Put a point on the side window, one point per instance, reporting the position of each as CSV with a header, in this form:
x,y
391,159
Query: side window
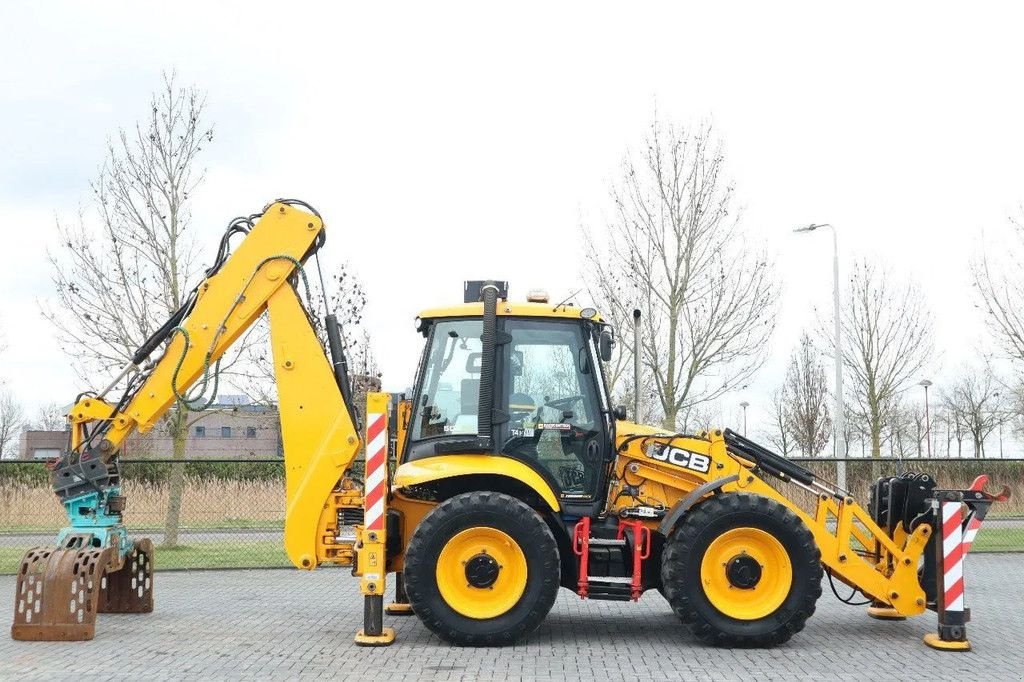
x,y
450,395
552,405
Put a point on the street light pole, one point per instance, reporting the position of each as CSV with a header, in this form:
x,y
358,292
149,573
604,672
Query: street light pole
x,y
744,405
840,409
1000,425
927,420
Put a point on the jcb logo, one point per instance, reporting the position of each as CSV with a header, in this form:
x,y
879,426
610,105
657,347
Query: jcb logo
x,y
679,457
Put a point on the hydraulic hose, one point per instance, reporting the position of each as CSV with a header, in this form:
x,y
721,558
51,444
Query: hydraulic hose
x,y
340,364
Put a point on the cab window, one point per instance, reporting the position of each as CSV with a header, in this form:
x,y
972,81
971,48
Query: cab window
x,y
448,402
549,392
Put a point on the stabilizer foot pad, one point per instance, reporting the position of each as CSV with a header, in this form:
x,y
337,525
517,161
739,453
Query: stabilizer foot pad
x,y
932,639
884,613
386,637
396,609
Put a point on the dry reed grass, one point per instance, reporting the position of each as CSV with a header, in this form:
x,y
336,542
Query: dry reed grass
x,y
218,503
208,503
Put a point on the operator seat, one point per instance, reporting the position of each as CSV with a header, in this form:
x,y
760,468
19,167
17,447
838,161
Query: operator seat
x,y
521,406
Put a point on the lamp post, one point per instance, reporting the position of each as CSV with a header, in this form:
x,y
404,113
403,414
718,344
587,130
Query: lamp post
x,y
744,405
927,420
840,416
999,423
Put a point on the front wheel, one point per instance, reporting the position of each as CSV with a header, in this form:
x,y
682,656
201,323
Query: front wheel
x,y
482,569
742,570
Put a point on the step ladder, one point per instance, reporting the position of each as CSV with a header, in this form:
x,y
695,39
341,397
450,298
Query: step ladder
x,y
614,588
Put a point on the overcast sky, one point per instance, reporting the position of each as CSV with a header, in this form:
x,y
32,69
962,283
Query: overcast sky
x,y
460,142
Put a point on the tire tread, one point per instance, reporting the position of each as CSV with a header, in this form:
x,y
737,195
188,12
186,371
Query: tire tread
x,y
681,545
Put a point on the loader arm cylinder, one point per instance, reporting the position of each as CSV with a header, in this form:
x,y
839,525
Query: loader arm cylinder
x,y
766,459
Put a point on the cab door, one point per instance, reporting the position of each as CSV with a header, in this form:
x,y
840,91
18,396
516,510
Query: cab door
x,y
557,422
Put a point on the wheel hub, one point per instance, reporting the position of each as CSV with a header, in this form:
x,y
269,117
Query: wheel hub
x,y
482,571
743,572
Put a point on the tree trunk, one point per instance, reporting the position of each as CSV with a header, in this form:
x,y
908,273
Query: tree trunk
x,y
876,434
669,394
669,422
176,480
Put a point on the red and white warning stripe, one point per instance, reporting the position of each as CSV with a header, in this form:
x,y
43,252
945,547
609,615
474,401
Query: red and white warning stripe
x,y
952,556
972,530
376,470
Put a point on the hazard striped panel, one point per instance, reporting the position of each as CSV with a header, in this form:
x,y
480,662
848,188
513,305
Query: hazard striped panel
x,y
952,556
972,531
376,470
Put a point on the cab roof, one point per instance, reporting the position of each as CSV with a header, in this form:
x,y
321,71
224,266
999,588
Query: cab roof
x,y
509,308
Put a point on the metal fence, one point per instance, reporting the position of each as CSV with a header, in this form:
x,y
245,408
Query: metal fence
x,y
232,511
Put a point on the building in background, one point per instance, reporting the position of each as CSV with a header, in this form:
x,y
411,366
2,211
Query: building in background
x,y
34,444
232,428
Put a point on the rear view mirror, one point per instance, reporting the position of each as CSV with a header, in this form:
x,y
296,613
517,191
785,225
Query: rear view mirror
x,y
606,341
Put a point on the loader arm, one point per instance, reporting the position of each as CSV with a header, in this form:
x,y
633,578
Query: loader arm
x,y
320,438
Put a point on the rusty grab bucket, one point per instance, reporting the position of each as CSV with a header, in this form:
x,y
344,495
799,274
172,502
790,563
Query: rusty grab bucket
x,y
60,590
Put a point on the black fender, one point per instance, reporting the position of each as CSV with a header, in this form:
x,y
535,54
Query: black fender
x,y
683,505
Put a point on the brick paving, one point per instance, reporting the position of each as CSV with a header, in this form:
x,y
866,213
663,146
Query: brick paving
x,y
286,624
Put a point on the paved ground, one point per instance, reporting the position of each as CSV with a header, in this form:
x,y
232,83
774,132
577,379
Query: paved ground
x,y
287,624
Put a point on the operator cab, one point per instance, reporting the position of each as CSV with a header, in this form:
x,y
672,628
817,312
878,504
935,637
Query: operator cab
x,y
550,400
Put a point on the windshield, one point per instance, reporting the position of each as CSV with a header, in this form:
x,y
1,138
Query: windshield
x,y
451,381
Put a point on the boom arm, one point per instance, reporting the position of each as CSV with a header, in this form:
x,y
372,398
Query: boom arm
x,y
319,437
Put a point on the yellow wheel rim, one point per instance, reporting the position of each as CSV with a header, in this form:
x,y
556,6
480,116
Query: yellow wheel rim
x,y
732,582
481,572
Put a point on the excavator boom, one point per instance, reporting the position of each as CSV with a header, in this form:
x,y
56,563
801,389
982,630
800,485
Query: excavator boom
x,y
318,427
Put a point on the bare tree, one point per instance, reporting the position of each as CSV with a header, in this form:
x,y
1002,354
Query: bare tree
x,y
50,417
887,329
614,295
806,399
903,430
674,249
941,434
977,405
346,298
778,434
12,419
118,282
1000,286
956,425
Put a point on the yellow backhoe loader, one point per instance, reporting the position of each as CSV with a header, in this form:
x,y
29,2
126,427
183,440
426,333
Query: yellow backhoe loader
x,y
515,476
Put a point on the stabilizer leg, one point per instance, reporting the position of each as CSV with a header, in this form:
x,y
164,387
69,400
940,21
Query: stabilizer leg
x,y
881,611
371,558
401,605
373,632
953,617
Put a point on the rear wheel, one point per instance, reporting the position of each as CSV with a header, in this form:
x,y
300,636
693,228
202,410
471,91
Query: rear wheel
x,y
742,570
482,569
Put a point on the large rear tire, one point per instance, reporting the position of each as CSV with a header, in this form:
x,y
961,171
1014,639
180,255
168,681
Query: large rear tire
x,y
482,569
742,570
